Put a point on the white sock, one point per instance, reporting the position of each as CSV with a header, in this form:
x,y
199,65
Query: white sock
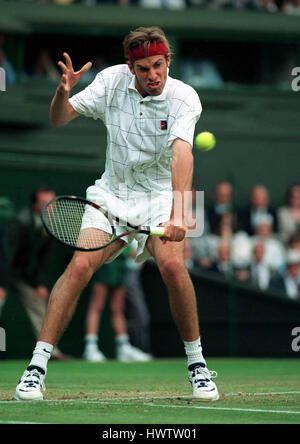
x,y
41,355
193,352
91,341
122,339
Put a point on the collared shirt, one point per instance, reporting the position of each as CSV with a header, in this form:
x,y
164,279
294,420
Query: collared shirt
x,y
140,130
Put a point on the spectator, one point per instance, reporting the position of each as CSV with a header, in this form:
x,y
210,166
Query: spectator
x,y
45,67
274,248
111,278
26,249
259,270
200,73
289,214
6,213
259,206
294,241
223,264
289,282
10,74
170,4
291,7
222,203
98,65
226,229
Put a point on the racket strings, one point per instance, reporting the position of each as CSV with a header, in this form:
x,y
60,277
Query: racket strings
x,y
64,219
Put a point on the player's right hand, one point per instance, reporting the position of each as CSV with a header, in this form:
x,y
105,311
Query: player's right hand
x,y
70,77
173,233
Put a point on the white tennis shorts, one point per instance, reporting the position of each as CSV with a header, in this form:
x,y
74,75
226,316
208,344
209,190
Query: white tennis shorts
x,y
138,209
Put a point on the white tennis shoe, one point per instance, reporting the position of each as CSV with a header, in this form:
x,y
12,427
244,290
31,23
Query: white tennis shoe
x,y
128,353
31,385
202,383
93,355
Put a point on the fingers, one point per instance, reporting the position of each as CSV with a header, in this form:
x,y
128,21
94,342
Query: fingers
x,y
85,68
173,233
68,61
63,67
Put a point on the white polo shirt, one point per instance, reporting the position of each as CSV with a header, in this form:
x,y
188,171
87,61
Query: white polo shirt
x,y
140,130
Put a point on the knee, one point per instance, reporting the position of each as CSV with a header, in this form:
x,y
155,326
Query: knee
x,y
80,268
172,269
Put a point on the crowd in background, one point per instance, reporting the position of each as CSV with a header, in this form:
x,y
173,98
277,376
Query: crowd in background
x,y
283,6
26,255
257,244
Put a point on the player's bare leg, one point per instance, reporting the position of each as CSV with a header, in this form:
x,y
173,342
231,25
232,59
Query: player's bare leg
x,y
170,261
62,303
66,291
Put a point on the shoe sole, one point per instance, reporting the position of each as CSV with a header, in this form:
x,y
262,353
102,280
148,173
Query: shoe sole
x,y
19,398
200,398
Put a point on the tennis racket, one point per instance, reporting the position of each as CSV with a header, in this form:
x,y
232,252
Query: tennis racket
x,y
62,219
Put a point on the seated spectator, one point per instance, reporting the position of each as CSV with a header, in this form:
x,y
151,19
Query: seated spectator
x,y
288,283
170,4
98,65
222,263
26,251
260,271
200,73
274,248
45,67
7,212
226,230
291,7
10,74
259,206
289,214
222,203
294,241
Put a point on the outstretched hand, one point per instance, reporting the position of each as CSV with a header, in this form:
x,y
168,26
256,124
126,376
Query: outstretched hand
x,y
69,76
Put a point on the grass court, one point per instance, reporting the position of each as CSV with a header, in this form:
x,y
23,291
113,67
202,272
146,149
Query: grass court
x,y
252,391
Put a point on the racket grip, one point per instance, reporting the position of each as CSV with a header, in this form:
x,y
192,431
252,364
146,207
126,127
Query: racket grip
x,y
157,231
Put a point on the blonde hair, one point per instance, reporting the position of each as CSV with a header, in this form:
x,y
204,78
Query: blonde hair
x,y
143,36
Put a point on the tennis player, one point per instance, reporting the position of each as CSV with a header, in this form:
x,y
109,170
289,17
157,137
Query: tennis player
x,y
150,120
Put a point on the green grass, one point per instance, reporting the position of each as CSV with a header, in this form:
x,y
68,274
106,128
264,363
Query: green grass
x,y
253,391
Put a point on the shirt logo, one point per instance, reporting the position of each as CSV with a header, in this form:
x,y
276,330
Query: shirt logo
x,y
163,124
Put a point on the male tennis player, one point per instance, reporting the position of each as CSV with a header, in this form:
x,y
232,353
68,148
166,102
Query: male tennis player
x,y
150,120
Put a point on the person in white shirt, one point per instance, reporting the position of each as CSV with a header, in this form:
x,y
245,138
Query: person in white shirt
x,y
287,283
150,120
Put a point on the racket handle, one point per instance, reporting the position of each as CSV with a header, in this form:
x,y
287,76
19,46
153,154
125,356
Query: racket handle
x,y
157,231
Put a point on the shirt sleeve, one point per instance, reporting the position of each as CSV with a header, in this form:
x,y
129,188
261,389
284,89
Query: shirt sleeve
x,y
187,115
90,102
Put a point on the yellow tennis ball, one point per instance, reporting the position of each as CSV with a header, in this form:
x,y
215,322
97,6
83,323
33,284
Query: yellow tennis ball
x,y
205,141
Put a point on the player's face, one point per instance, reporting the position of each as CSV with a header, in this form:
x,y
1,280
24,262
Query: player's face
x,y
150,74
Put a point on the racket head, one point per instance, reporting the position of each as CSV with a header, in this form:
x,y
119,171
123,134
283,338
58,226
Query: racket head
x,y
62,218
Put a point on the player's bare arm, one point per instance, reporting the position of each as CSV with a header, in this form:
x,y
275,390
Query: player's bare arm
x,y
61,110
182,166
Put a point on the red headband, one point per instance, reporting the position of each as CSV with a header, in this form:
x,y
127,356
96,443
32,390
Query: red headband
x,y
153,48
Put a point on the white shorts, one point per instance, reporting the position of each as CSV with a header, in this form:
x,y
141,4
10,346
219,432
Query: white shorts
x,y
137,210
